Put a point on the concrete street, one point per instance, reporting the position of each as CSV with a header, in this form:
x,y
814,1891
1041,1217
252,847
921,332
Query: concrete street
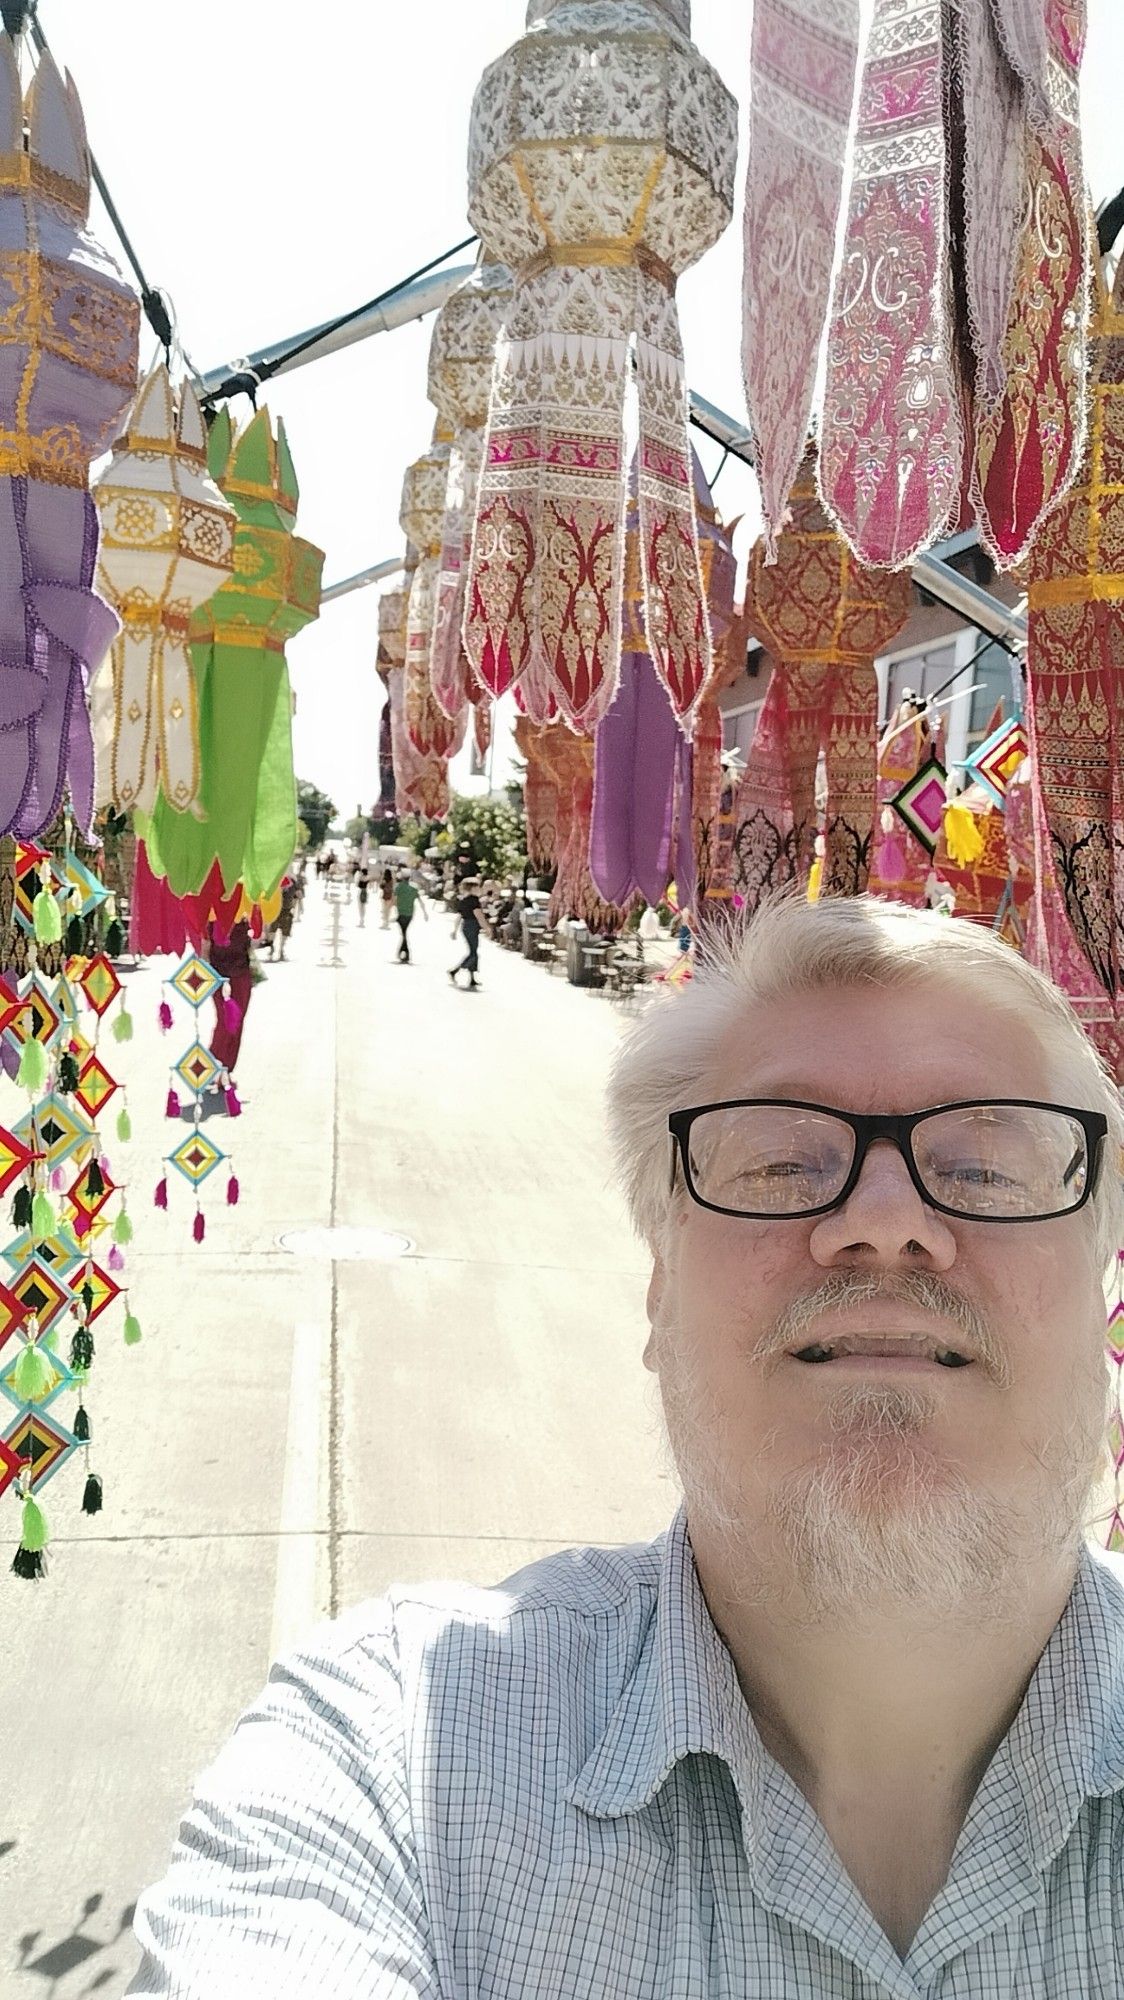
x,y
302,1426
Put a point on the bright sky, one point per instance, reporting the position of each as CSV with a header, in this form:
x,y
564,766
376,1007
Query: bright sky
x,y
276,164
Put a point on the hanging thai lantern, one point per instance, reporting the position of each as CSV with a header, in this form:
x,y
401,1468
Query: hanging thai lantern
x,y
461,355
1075,663
167,544
420,779
422,516
244,834
824,618
601,161
640,838
69,326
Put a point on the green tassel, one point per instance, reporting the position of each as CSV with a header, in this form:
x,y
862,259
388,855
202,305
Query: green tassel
x,y
91,1498
46,918
82,1424
132,1330
123,1027
44,1216
34,1536
32,1072
114,940
68,1074
32,1377
124,1127
21,1207
123,1228
75,937
81,1348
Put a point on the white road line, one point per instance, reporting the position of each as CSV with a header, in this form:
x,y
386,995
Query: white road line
x,y
301,1590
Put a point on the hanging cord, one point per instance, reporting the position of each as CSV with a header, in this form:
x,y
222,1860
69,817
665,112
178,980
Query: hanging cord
x,y
247,381
24,13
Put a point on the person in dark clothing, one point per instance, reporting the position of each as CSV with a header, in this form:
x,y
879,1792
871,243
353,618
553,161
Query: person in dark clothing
x,y
470,910
363,883
406,898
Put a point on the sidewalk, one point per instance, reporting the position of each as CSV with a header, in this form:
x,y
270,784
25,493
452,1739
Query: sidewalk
x,y
296,1431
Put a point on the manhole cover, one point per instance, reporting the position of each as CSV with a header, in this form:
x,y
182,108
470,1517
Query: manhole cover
x,y
339,1246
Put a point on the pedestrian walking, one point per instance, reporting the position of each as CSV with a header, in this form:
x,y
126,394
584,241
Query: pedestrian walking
x,y
283,928
406,899
386,892
363,884
470,911
229,954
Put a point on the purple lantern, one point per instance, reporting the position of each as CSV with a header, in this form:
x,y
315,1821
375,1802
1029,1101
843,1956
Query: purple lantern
x,y
69,326
641,833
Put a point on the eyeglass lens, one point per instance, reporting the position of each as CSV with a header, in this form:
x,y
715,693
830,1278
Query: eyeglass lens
x,y
980,1160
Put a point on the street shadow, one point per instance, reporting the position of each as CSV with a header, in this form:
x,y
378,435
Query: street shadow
x,y
53,1962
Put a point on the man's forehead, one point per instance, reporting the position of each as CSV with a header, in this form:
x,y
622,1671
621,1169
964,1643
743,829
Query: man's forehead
x,y
858,1046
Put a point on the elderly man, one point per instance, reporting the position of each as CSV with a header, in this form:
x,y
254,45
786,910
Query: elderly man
x,y
854,1726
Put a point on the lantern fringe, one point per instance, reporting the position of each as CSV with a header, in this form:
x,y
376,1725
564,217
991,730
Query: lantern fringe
x,y
92,1496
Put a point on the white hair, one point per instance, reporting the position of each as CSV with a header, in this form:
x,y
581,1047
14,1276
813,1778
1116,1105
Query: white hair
x,y
792,946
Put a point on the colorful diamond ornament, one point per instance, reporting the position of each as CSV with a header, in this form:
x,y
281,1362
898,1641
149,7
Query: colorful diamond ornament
x,y
197,1068
195,1158
921,803
994,762
195,981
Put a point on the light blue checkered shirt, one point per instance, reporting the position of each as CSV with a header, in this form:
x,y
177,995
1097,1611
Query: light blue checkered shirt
x,y
553,1790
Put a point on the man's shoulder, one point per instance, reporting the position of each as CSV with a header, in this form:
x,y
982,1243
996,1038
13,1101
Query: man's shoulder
x,y
441,1633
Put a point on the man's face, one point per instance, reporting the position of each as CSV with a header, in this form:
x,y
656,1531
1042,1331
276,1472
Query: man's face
x,y
896,1449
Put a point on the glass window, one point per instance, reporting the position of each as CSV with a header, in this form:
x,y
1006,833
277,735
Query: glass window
x,y
738,725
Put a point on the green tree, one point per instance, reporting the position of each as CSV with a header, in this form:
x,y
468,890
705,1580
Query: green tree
x,y
489,833
317,811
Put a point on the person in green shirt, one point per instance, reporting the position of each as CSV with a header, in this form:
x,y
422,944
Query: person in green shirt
x,y
406,899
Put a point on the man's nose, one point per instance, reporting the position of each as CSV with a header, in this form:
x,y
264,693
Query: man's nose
x,y
884,1219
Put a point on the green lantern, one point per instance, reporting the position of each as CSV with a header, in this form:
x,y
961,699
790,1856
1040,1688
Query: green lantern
x,y
246,816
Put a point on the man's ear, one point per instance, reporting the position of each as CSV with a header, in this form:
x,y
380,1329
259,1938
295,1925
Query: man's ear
x,y
657,1285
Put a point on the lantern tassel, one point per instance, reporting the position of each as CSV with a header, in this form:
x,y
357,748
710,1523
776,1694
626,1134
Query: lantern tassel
x,y
34,1536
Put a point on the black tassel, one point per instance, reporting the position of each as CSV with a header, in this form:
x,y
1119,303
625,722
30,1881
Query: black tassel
x,y
91,1498
82,1424
29,1563
95,1179
68,1074
87,1297
114,939
82,1348
21,1207
75,937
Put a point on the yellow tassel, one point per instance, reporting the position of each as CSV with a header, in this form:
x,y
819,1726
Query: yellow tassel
x,y
962,837
815,878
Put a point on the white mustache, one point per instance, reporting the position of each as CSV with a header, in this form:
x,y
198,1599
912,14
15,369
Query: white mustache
x,y
925,1291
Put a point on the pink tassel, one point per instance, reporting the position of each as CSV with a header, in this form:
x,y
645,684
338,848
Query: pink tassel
x,y
233,1104
58,1179
115,1260
232,1015
232,1192
199,1227
160,1198
172,1107
107,1170
165,1017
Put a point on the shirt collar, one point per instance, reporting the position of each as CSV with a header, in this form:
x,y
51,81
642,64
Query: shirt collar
x,y
683,1697
1066,1744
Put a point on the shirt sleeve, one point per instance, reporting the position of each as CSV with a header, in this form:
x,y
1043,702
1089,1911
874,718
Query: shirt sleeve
x,y
295,1868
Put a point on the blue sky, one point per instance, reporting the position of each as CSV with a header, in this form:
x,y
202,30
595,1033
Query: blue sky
x,y
276,164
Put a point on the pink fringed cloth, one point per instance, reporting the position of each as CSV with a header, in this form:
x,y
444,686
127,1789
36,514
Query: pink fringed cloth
x,y
1075,716
802,86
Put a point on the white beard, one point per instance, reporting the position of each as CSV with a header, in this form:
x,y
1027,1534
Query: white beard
x,y
878,1523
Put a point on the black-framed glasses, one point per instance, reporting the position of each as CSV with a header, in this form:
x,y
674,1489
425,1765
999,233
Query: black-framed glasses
x,y
994,1159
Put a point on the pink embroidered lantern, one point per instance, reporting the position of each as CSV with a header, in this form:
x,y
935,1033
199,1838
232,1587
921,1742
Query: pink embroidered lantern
x,y
601,161
461,355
